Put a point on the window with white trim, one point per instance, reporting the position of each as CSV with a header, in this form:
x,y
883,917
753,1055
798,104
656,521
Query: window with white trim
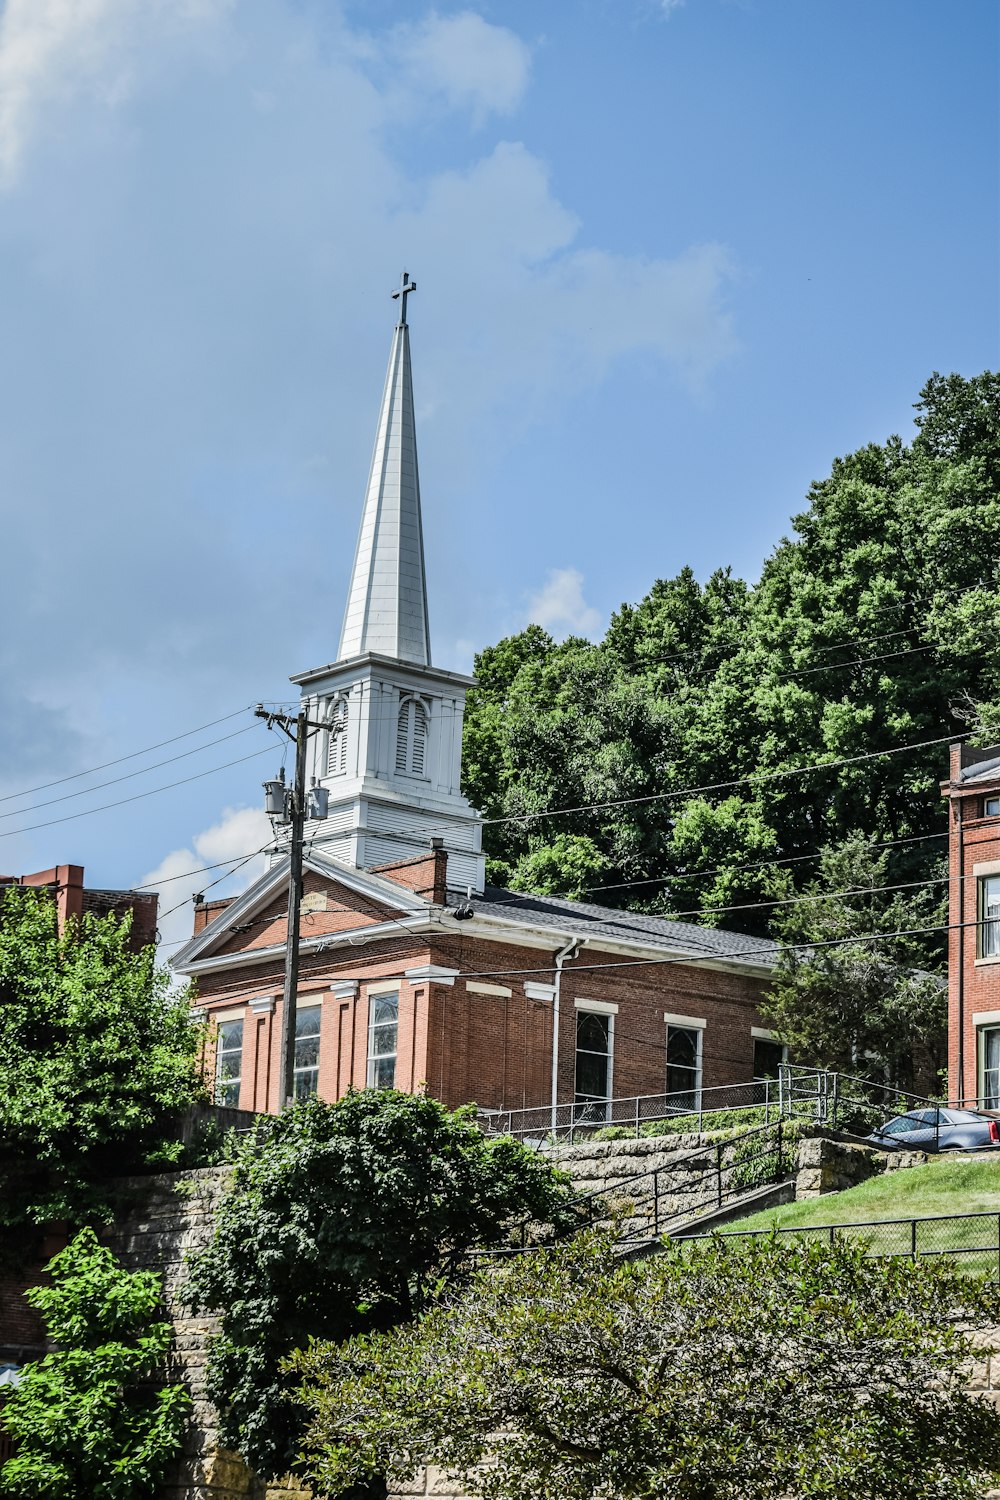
x,y
684,1065
595,1035
383,1039
336,754
229,1063
988,930
989,1066
991,807
306,1069
411,737
768,1055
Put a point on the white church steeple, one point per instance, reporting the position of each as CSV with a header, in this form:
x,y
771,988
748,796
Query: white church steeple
x,y
391,752
387,600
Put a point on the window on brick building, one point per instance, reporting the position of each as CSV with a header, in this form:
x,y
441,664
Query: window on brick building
x,y
383,1033
991,807
229,1063
989,1067
595,1031
411,737
988,930
306,1069
768,1055
336,755
684,1065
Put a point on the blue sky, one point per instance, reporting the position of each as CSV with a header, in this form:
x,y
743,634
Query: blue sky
x,y
672,258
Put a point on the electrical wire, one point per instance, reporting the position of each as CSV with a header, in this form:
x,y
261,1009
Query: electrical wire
x,y
139,796
133,755
129,775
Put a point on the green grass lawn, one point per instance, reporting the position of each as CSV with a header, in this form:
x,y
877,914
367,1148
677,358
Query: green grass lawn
x,y
950,1185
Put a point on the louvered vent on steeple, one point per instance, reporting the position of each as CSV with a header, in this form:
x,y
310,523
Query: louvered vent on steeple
x,y
411,737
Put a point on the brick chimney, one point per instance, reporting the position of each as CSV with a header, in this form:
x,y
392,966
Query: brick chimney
x,y
426,875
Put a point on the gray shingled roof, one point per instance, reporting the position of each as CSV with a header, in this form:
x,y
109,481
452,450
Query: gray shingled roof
x,y
591,921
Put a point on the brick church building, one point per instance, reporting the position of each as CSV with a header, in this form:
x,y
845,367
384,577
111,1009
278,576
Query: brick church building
x,y
413,970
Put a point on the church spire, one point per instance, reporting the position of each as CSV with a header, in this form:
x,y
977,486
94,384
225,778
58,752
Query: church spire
x,y
387,602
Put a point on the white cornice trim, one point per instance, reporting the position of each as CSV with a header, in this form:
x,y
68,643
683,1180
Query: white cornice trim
x,y
432,974
309,945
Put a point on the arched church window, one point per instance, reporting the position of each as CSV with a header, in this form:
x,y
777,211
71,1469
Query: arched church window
x,y
411,737
336,755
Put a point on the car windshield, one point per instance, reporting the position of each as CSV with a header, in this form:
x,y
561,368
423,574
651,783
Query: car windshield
x,y
901,1125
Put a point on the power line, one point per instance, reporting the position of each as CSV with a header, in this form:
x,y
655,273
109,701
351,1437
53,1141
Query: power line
x,y
129,775
139,796
61,780
756,777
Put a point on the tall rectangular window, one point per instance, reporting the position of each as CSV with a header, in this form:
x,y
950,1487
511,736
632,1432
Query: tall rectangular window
x,y
383,1036
988,945
229,1063
768,1055
594,1039
306,1069
683,1065
989,1065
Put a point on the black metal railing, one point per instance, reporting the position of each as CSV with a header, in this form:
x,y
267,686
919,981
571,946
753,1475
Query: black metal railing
x,y
974,1238
647,1205
840,1101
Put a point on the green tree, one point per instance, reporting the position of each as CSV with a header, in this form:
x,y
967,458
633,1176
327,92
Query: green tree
x,y
874,625
91,1422
343,1217
742,1370
97,1059
844,998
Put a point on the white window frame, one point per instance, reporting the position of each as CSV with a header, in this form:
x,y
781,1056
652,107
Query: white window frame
x,y
220,1053
338,721
412,705
697,1024
299,1068
761,1034
991,807
595,1008
988,916
375,1058
989,1096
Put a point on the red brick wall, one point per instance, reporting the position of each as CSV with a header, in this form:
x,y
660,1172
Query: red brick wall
x,y
973,983
494,1049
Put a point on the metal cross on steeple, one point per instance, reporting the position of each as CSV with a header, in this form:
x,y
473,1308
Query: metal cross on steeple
x,y
404,289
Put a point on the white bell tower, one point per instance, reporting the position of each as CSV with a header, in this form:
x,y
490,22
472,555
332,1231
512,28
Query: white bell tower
x,y
391,754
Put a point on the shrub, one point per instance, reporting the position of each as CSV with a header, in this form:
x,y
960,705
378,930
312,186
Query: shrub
x,y
90,1422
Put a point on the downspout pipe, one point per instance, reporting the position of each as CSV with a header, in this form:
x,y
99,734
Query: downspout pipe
x,y
570,950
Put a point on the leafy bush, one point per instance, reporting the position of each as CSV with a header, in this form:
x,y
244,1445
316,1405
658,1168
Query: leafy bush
x,y
344,1217
97,1060
89,1422
753,1369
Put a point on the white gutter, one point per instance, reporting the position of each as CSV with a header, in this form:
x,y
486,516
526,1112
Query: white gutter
x,y
571,949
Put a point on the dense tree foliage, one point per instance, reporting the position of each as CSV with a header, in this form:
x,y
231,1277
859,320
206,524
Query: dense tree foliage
x,y
344,1217
875,626
850,990
93,1421
97,1060
742,1370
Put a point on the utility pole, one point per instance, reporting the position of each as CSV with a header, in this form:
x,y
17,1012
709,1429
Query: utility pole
x,y
291,808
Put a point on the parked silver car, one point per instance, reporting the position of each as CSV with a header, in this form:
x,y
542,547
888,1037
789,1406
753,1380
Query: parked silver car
x,y
940,1129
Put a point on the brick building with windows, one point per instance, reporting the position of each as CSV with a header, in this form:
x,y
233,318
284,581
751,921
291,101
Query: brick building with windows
x,y
413,970
973,792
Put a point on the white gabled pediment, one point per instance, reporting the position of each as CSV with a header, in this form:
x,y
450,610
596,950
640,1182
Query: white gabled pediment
x,y
257,897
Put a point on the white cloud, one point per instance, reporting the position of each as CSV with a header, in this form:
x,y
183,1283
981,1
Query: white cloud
x,y
50,50
239,831
669,6
471,62
559,605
